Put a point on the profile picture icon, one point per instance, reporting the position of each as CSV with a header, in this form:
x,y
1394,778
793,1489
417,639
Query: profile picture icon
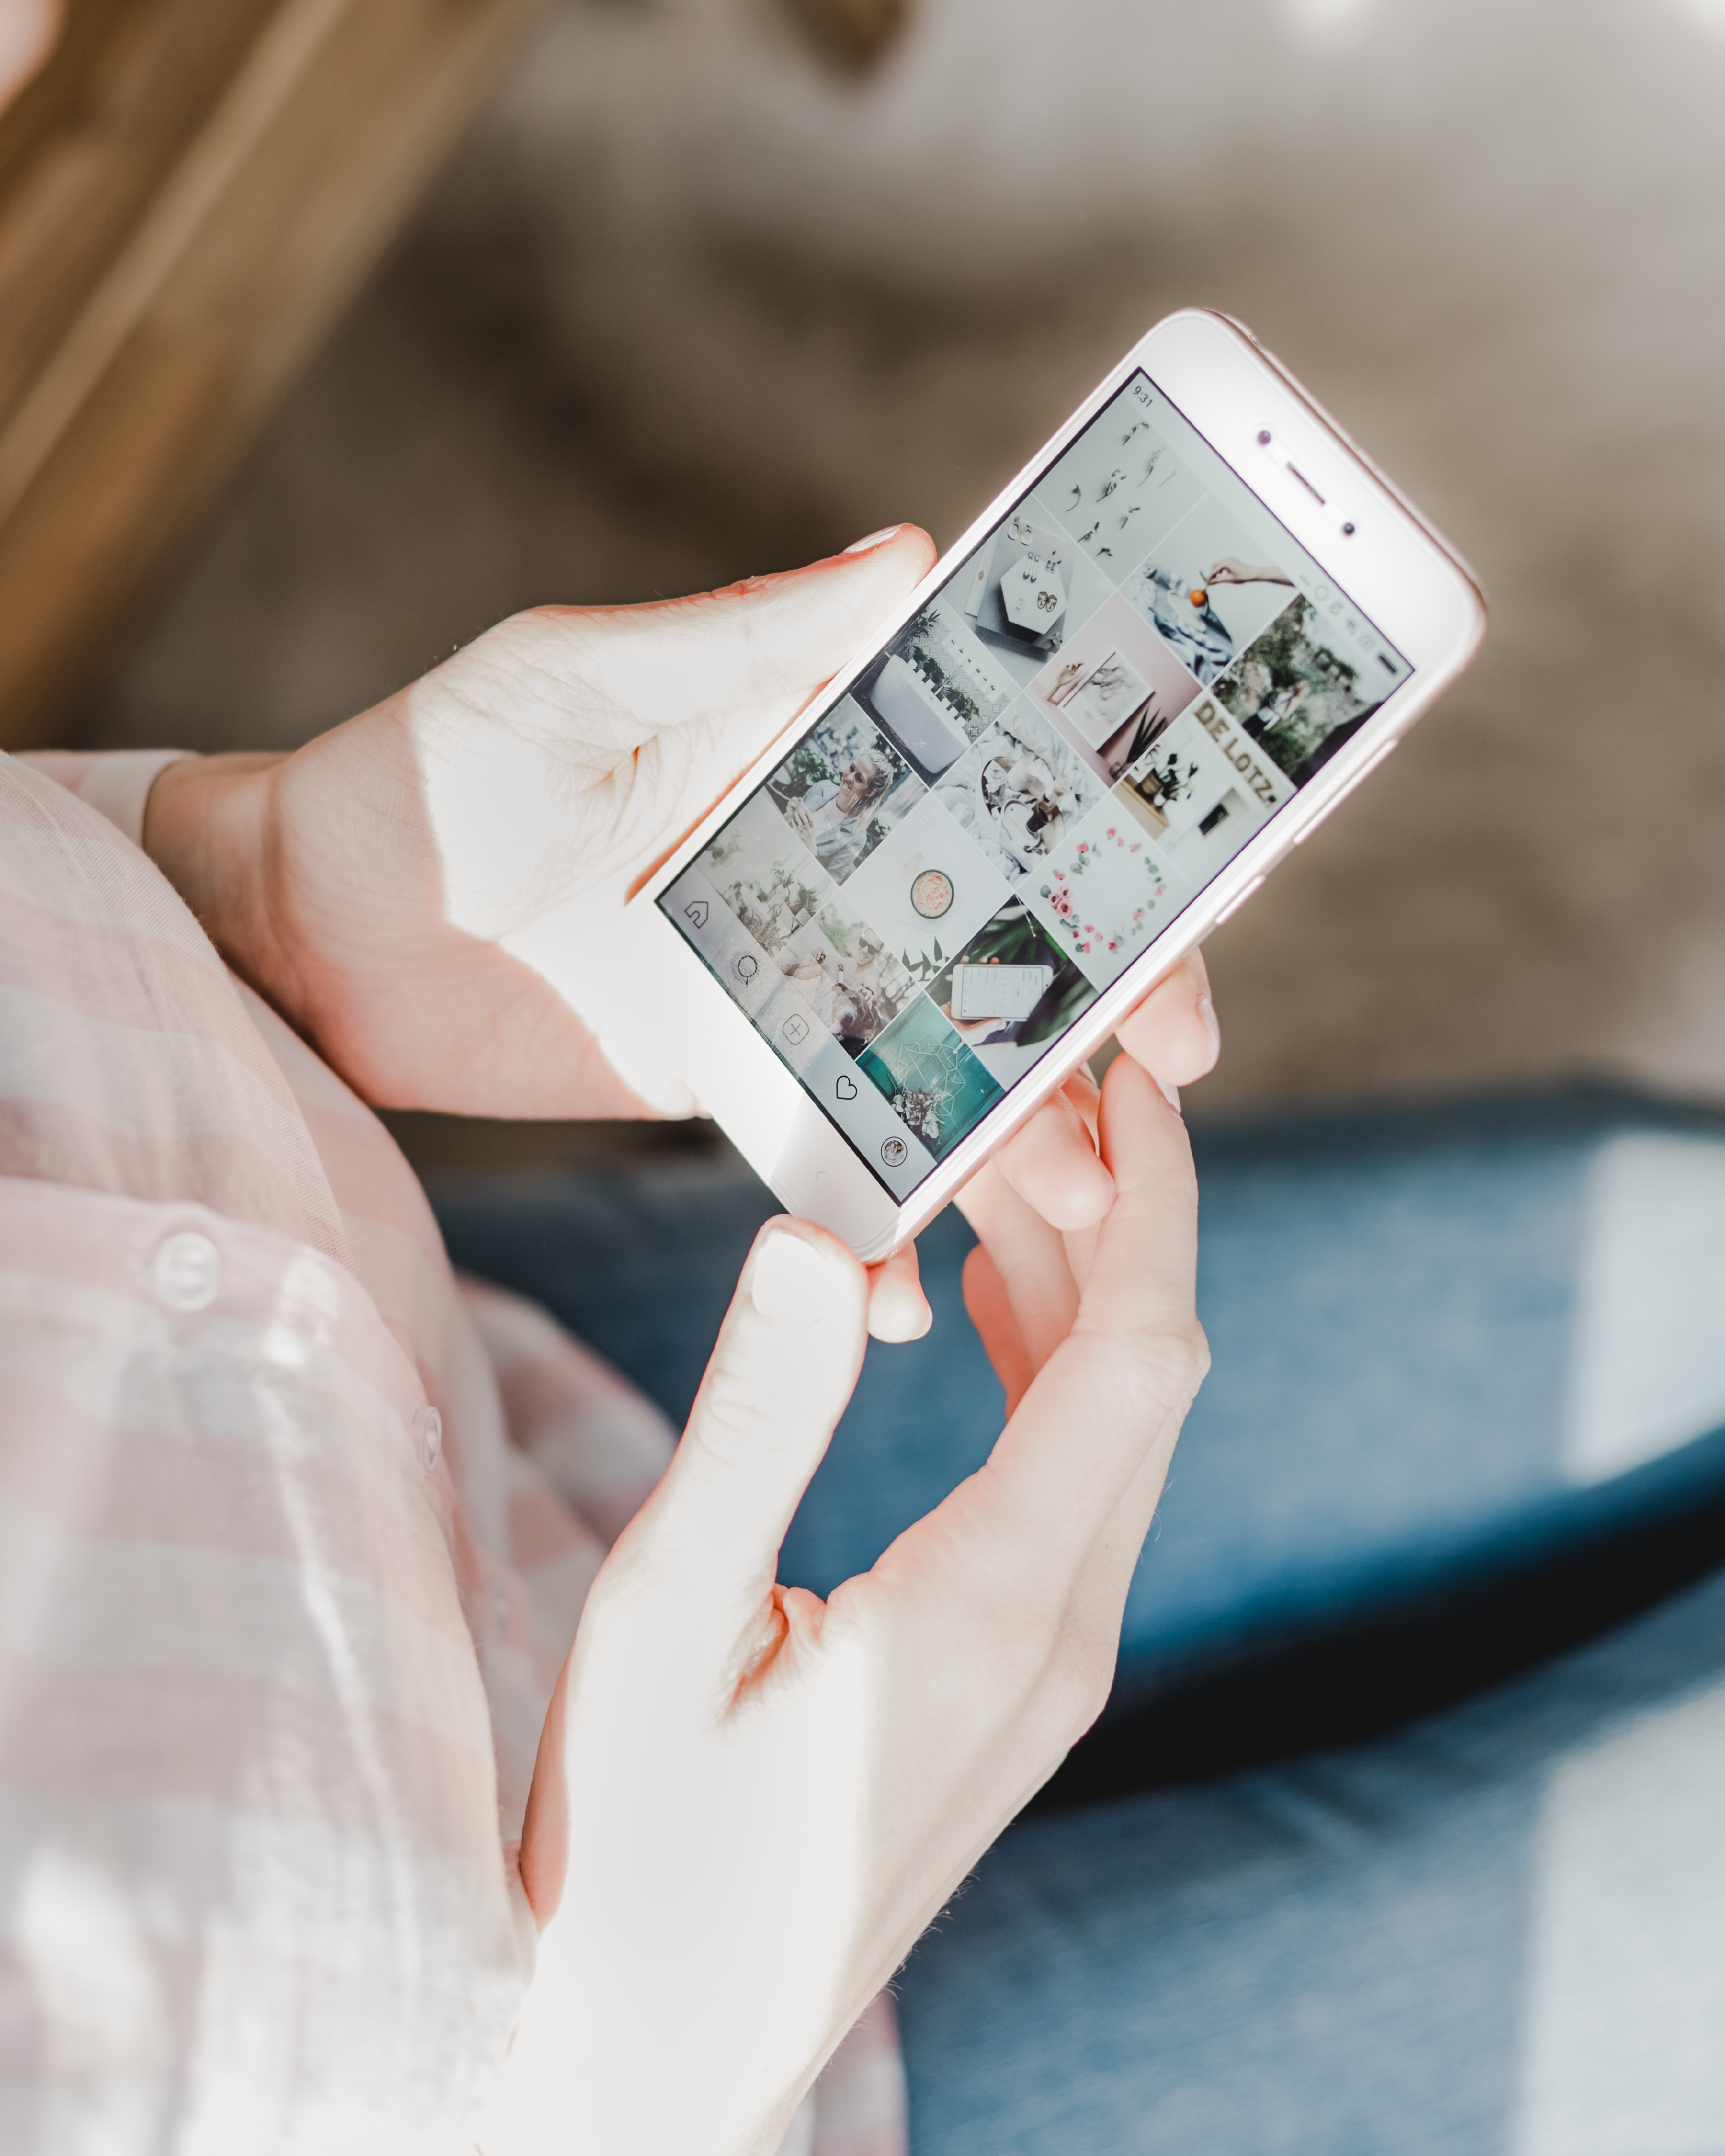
x,y
893,1152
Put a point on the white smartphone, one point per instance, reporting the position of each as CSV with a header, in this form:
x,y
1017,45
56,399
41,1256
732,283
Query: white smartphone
x,y
1008,993
1188,628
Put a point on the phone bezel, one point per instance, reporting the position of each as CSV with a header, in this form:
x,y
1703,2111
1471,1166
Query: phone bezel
x,y
1394,565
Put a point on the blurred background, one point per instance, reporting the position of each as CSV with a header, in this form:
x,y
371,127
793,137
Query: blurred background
x,y
712,286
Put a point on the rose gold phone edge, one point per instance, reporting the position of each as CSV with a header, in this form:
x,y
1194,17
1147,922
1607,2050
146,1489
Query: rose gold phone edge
x,y
764,1109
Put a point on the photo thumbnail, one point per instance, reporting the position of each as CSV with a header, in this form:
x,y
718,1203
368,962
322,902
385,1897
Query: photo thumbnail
x,y
1161,786
1114,688
1036,989
1208,590
1194,798
1120,488
931,1081
844,971
1024,590
842,788
926,890
1103,896
935,690
1296,696
1020,791
764,874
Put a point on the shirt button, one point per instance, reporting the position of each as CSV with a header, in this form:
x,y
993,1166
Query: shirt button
x,y
429,1429
187,1271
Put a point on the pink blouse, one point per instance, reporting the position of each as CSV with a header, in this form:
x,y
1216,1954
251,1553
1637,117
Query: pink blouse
x,y
294,1531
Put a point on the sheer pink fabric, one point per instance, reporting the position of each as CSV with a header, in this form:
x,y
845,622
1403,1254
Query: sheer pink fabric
x,y
294,1531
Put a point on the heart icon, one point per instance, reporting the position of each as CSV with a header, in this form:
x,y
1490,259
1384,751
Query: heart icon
x,y
846,1089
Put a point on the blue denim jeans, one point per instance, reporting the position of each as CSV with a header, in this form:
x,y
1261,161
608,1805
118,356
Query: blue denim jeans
x,y
1500,1932
1466,1409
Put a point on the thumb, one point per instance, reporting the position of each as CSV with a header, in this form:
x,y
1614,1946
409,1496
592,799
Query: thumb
x,y
781,1375
757,650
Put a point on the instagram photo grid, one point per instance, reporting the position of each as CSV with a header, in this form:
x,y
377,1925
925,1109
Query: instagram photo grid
x,y
1060,749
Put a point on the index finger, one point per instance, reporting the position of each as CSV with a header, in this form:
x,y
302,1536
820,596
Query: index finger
x,y
1099,1422
1174,1031
898,1309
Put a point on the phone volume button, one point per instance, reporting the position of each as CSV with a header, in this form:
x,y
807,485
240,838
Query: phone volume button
x,y
1234,904
1359,778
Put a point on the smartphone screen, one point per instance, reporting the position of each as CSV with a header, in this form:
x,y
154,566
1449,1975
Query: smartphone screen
x,y
1122,684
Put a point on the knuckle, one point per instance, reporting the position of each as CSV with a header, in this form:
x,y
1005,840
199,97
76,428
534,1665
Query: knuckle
x,y
1087,1697
1053,1657
757,1406
738,1418
1191,1356
1163,1365
1081,1679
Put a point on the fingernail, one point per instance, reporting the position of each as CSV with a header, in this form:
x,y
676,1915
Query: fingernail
x,y
873,539
1212,1025
899,1318
1171,1094
794,1282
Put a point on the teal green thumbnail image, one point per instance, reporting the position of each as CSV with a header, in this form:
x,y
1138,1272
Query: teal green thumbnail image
x,y
934,1084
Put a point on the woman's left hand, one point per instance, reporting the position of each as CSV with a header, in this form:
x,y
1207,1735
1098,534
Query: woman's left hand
x,y
430,894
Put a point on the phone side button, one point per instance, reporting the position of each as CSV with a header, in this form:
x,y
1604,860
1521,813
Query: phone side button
x,y
1234,904
1358,779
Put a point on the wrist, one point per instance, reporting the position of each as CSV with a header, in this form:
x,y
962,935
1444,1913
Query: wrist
x,y
208,826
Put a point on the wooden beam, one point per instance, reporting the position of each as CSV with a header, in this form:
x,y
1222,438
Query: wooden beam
x,y
189,194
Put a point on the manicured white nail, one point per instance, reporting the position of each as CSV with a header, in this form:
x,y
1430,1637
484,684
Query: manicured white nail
x,y
1171,1094
794,1282
1207,1012
873,539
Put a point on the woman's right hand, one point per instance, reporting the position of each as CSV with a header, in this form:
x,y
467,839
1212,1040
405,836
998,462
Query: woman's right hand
x,y
749,1803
